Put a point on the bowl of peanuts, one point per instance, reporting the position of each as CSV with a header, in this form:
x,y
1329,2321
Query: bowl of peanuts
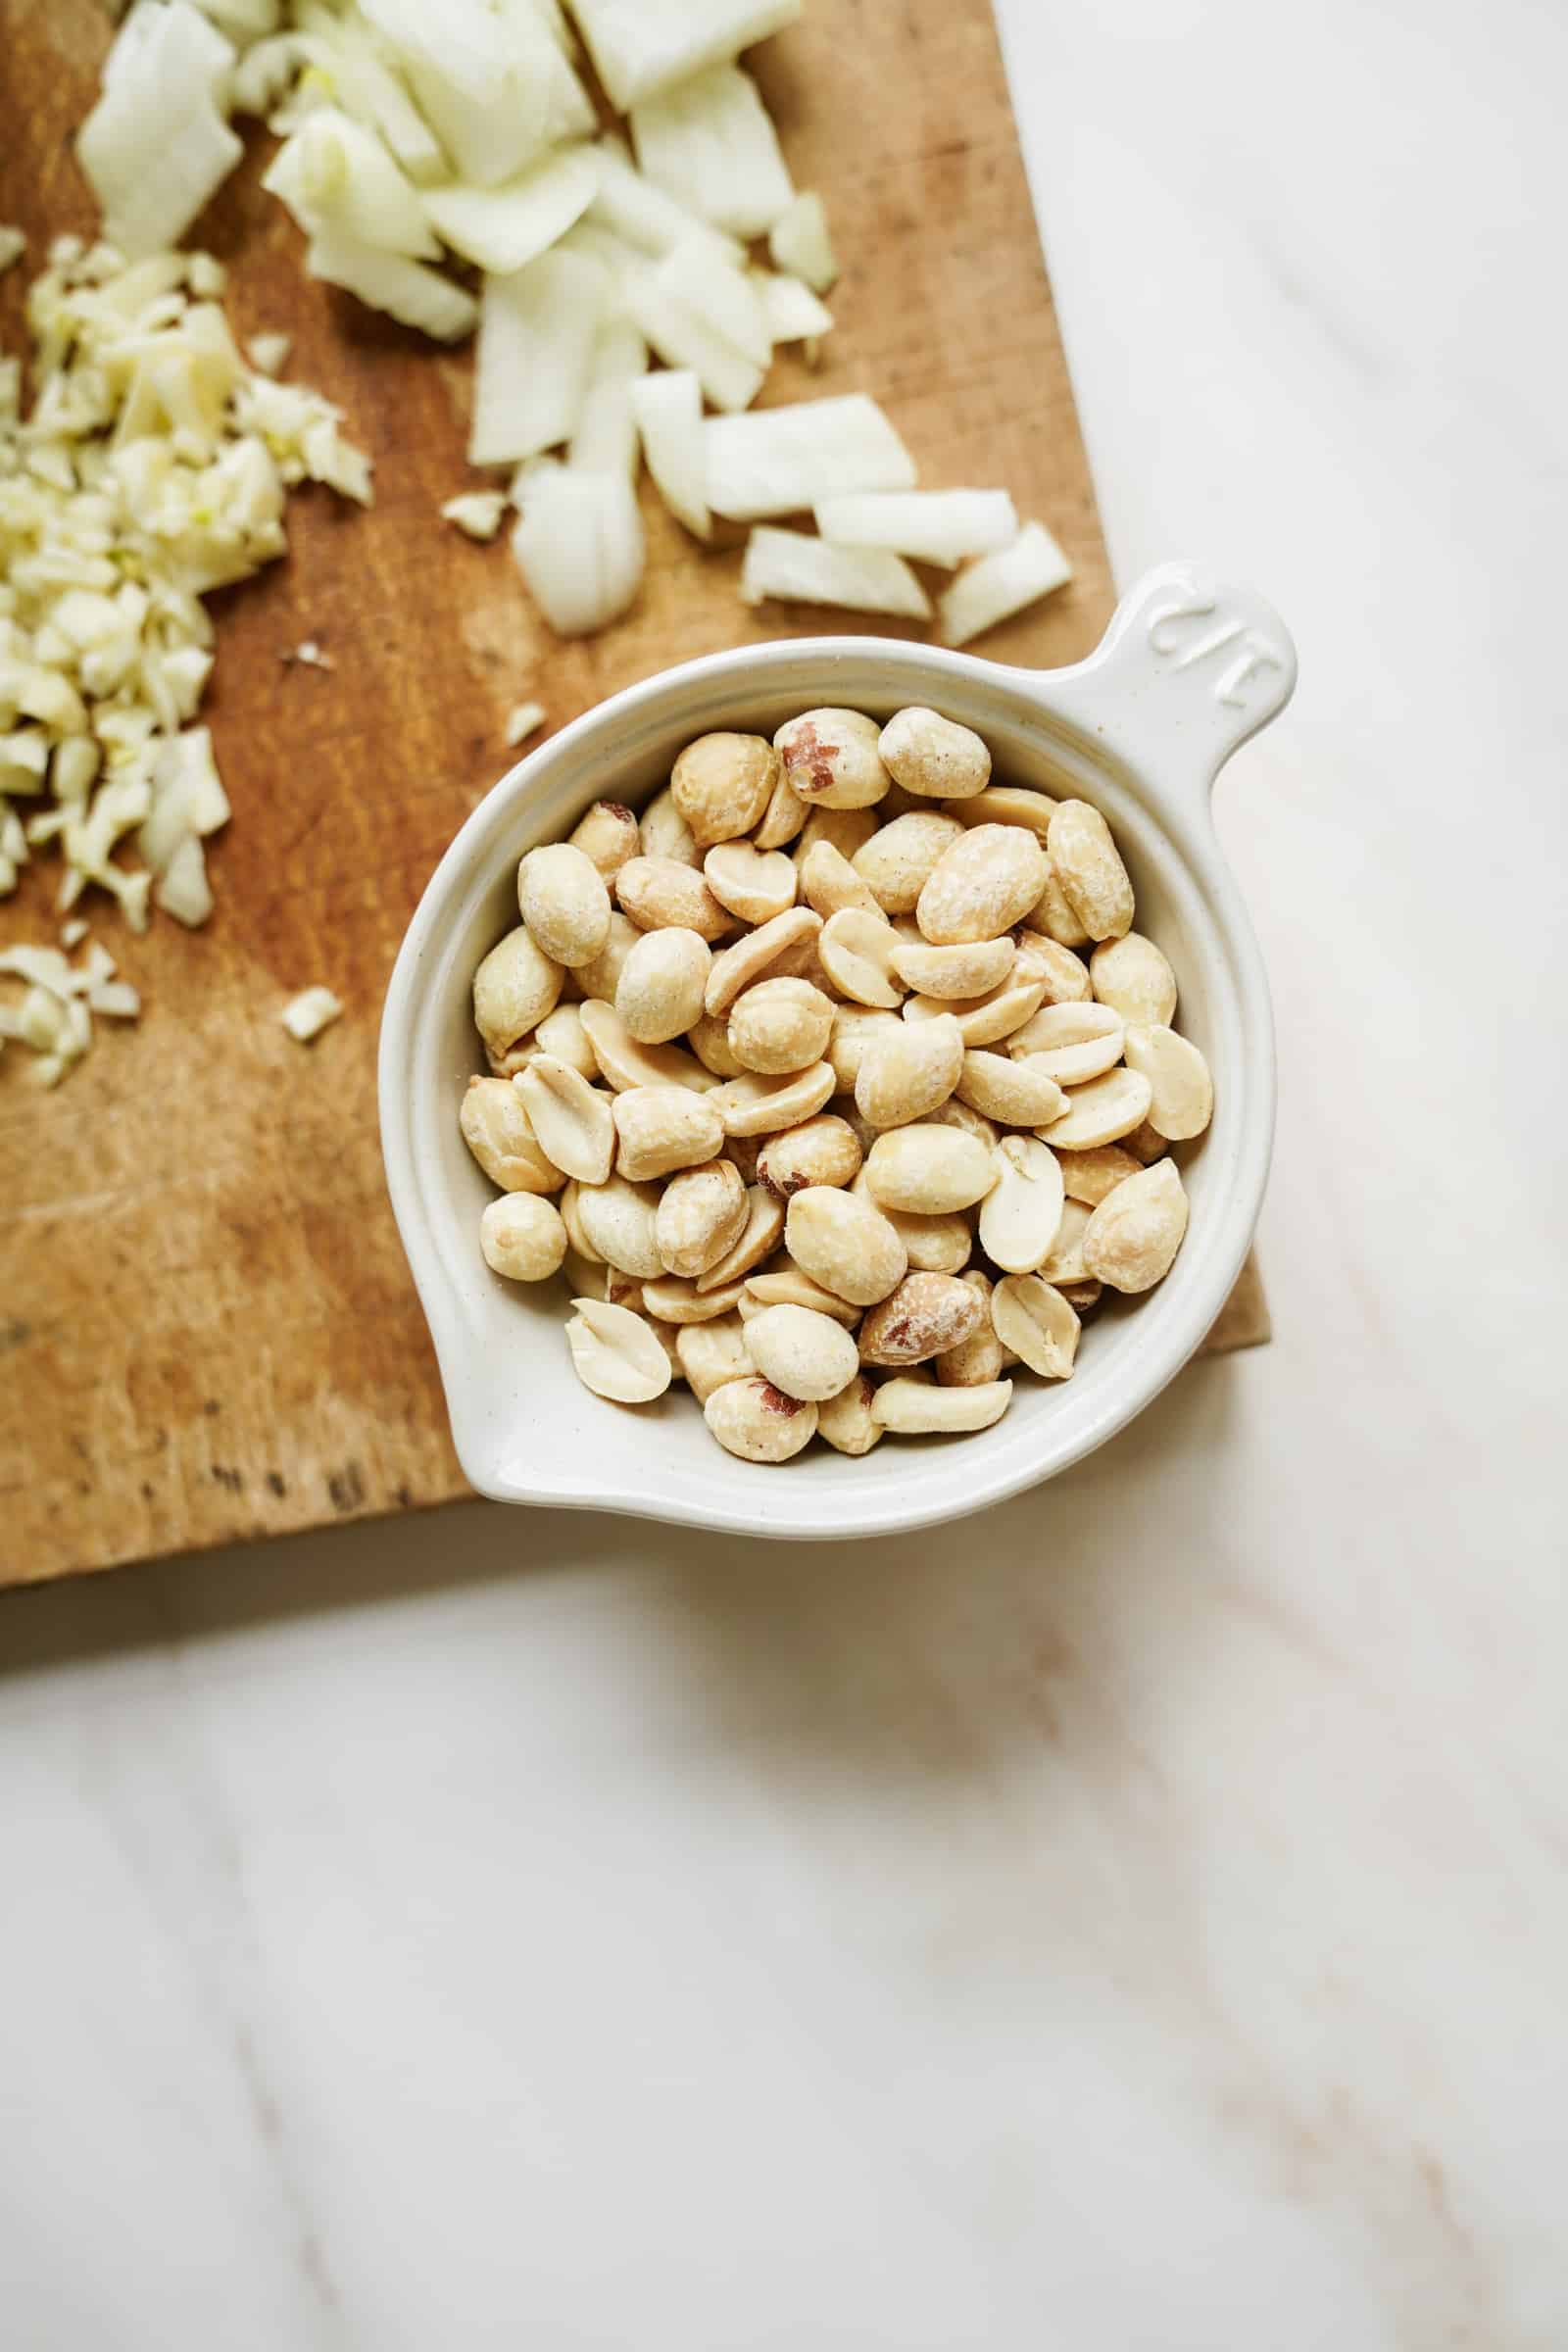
x,y
830,1087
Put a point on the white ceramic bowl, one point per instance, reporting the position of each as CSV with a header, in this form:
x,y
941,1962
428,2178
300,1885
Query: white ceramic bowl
x,y
1188,669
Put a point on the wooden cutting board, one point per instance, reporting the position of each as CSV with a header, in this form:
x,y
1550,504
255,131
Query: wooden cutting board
x,y
207,1329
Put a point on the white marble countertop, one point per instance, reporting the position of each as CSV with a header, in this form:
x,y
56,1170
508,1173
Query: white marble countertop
x,y
1137,1919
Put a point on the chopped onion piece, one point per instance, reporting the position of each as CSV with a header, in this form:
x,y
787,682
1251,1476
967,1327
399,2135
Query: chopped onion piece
x,y
269,353
605,438
999,585
669,409
504,228
529,102
13,245
781,460
183,890
477,513
799,570
410,292
711,144
683,340
640,46
156,145
724,299
644,216
334,174
579,546
538,331
794,313
799,242
523,721
934,526
463,39
306,1015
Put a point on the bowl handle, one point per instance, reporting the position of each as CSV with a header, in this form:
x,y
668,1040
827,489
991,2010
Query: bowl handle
x,y
1189,669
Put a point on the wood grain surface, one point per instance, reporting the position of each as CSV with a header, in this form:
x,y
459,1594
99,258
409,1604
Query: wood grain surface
x,y
207,1329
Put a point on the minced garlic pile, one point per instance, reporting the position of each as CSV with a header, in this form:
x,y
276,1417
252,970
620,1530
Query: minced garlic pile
x,y
152,467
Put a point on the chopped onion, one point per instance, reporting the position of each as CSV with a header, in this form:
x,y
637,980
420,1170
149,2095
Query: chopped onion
x,y
935,526
794,313
579,546
722,298
313,1009
182,889
523,721
799,569
683,340
640,46
669,409
799,242
645,215
780,461
505,228
605,438
156,146
477,513
999,585
536,340
711,144
530,102
334,174
269,353
406,290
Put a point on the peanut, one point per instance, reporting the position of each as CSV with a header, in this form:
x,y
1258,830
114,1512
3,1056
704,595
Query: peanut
x,y
753,1419
925,1316
562,900
1134,977
1036,1322
821,1151
602,977
662,1128
1181,1098
985,883
498,1132
625,1063
755,1105
711,1353
761,1233
701,1217
857,951
750,958
934,757
660,991
514,988
913,1407
618,1221
781,1025
678,1302
1135,1233
845,1245
810,1356
665,832
906,1074
979,1358
615,1353
1072,1042
830,883
722,785
783,1284
831,759
847,1422
929,1170
1088,864
609,835
1020,1216
1102,1112
660,894
1008,805
897,861
751,884
1090,1175
783,817
522,1236
1017,1093
968,970
563,1034
1054,915
571,1118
